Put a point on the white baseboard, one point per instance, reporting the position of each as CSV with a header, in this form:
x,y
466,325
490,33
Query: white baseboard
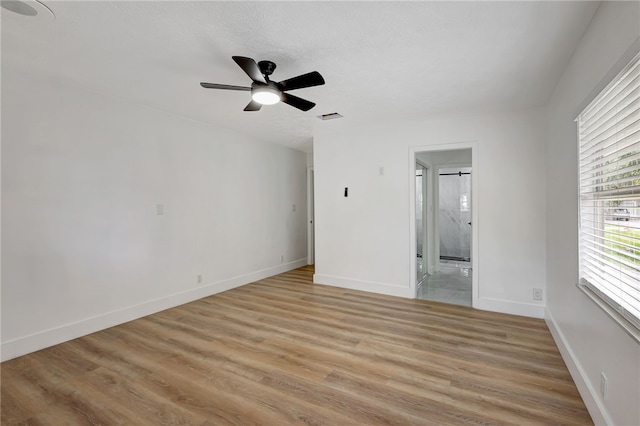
x,y
594,405
34,342
370,286
509,307
487,304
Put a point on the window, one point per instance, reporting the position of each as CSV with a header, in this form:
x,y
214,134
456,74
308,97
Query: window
x,y
609,181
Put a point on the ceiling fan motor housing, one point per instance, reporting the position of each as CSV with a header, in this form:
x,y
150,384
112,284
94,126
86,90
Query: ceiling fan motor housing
x,y
266,67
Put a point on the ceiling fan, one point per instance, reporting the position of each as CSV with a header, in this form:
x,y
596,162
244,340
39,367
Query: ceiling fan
x,y
267,92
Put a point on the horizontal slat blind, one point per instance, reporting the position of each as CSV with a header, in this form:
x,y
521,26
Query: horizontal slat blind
x,y
609,163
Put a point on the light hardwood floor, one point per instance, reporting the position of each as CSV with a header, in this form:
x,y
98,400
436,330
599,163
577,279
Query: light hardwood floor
x,y
284,351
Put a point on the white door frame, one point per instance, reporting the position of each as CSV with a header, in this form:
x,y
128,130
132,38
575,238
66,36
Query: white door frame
x,y
474,212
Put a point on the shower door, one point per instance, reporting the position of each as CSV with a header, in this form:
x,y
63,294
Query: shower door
x,y
455,214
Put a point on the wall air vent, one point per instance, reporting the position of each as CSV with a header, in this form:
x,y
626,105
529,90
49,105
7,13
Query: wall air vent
x,y
330,116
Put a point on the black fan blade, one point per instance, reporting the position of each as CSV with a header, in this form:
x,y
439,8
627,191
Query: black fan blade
x,y
253,106
223,86
249,66
297,102
305,80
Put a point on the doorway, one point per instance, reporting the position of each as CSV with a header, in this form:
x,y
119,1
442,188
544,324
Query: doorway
x,y
444,223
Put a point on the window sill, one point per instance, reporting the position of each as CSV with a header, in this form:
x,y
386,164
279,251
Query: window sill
x,y
627,326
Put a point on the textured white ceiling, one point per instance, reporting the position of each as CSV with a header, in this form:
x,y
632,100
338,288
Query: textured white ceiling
x,y
379,59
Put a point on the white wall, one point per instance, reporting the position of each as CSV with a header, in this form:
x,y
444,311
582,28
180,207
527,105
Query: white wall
x,y
82,246
363,241
591,342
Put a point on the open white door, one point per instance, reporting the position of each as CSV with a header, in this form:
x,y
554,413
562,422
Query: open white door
x,y
310,218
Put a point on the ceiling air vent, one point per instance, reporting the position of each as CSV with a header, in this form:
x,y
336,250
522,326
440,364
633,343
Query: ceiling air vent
x,y
331,116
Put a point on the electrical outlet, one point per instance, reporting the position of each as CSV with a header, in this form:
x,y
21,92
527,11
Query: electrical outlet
x,y
199,279
537,294
160,209
282,259
603,386
293,207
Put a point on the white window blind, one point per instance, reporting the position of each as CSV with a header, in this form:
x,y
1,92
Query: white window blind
x,y
609,179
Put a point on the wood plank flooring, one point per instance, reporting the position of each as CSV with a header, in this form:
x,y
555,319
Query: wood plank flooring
x,y
284,351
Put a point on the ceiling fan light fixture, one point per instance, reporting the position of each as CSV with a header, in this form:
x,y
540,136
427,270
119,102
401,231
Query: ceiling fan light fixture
x,y
31,8
266,95
19,7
